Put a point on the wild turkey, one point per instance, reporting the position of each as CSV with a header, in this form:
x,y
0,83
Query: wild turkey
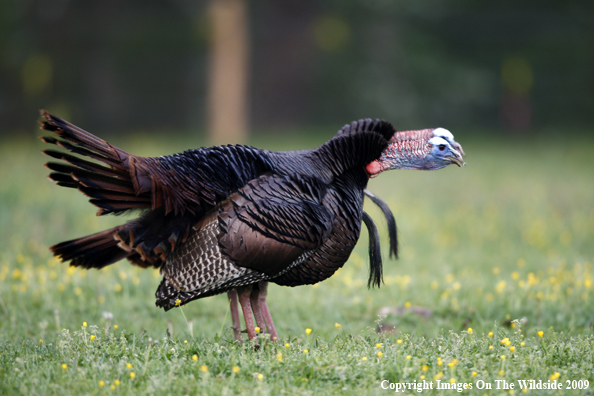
x,y
232,218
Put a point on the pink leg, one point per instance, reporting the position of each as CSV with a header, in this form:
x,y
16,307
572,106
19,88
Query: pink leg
x,y
234,314
246,307
263,285
256,308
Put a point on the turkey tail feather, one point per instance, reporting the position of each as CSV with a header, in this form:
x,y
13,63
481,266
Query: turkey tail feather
x,y
93,251
110,186
79,136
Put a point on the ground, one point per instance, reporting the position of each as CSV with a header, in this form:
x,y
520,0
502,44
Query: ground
x,y
498,255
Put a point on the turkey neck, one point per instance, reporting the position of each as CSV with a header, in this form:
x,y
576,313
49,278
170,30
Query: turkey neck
x,y
332,159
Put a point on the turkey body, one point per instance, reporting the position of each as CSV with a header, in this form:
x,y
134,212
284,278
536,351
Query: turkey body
x,y
222,217
288,219
225,218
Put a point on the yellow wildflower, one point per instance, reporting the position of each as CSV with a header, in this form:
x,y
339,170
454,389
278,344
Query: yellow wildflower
x,y
407,304
490,347
260,377
203,368
305,351
64,366
490,334
112,387
502,357
129,365
364,358
380,354
453,363
308,331
399,341
92,337
378,345
101,384
84,324
452,380
501,372
115,327
279,356
474,373
337,325
185,341
132,374
424,368
438,376
541,334
117,382
470,330
236,369
512,348
177,302
257,329
500,287
515,275
195,358
287,345
408,357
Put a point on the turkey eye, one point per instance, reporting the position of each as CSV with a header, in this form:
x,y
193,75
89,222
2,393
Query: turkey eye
x,y
441,147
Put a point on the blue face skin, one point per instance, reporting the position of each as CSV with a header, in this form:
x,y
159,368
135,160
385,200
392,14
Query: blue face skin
x,y
438,152
447,135
443,153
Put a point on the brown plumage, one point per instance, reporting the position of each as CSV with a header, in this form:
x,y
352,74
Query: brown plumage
x,y
232,218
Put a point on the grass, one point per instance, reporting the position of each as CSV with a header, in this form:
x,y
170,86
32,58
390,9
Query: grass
x,y
498,251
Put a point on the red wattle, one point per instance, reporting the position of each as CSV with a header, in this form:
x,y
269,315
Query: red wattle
x,y
373,168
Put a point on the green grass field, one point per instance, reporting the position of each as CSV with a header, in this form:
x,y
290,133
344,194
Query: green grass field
x,y
494,253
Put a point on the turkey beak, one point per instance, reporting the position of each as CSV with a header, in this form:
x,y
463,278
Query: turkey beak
x,y
456,158
458,147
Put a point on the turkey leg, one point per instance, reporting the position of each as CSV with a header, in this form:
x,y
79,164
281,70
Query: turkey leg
x,y
256,307
263,292
246,307
234,314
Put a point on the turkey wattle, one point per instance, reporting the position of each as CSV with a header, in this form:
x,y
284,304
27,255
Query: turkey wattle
x,y
232,218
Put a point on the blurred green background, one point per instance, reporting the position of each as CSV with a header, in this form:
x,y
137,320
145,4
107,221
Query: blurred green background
x,y
516,66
